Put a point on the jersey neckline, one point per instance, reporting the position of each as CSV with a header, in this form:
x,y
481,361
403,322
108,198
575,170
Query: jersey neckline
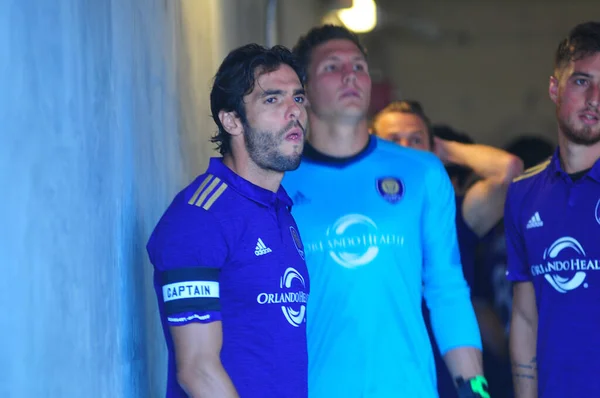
x,y
556,168
246,188
312,155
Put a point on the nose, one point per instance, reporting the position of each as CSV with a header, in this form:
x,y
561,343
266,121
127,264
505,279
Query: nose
x,y
594,96
402,142
349,74
295,109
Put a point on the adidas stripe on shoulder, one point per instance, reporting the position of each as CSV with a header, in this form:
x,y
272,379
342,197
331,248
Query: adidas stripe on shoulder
x,y
533,171
208,192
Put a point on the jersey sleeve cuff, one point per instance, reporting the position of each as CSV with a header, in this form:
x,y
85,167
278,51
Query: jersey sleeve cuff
x,y
517,276
185,318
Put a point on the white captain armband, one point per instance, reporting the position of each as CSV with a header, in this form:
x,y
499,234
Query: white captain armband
x,y
190,290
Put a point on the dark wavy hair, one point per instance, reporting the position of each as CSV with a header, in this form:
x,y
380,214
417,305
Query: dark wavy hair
x,y
583,40
319,35
237,77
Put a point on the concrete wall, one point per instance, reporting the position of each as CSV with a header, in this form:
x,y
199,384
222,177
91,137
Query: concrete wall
x,y
103,117
487,70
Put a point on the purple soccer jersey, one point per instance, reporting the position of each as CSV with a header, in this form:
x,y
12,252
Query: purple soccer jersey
x,y
227,250
553,240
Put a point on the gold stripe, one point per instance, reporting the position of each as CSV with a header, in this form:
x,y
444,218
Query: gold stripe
x,y
208,190
214,196
532,171
535,168
200,188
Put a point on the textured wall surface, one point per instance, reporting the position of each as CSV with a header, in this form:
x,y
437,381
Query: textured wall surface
x,y
90,150
104,116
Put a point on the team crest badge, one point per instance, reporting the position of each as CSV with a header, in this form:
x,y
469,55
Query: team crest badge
x,y
597,212
390,189
297,242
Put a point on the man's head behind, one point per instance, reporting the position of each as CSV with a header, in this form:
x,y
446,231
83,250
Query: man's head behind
x,y
575,85
237,77
338,81
320,35
405,123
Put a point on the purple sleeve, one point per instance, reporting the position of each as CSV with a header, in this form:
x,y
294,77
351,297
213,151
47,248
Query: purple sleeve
x,y
516,253
188,249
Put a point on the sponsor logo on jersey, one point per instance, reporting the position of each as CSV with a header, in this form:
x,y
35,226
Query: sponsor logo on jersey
x,y
354,240
390,189
565,256
292,297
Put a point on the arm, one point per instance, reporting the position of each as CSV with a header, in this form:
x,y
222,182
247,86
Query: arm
x,y
484,201
199,369
188,250
523,339
492,331
524,316
445,290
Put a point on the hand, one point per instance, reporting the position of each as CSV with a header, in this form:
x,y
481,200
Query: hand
x,y
440,149
476,387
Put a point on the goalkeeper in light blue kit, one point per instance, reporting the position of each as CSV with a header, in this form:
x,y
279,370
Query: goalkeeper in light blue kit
x,y
378,225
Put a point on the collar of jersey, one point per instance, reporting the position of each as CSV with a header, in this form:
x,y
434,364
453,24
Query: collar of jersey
x,y
311,155
246,188
557,169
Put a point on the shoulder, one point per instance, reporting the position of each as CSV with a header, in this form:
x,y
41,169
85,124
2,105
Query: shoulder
x,y
390,151
207,192
529,179
192,221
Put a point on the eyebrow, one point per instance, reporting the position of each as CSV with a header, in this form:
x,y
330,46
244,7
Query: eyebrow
x,y
358,57
267,93
581,74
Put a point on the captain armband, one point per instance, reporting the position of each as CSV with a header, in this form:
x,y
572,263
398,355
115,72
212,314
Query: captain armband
x,y
476,387
190,290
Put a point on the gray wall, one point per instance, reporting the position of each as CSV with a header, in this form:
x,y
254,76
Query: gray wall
x,y
103,117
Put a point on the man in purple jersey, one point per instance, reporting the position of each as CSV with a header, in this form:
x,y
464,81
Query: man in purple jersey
x,y
552,223
230,275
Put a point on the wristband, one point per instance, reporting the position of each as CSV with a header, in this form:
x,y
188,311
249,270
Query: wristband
x,y
476,387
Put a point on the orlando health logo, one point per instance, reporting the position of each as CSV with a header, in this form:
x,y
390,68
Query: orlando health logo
x,y
354,240
289,300
573,259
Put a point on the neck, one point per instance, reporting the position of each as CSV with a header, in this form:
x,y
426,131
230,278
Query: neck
x,y
250,171
575,157
336,138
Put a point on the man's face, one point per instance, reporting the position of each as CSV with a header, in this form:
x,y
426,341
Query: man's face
x,y
339,84
276,115
576,94
405,129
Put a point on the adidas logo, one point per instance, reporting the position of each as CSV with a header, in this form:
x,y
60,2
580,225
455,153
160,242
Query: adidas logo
x,y
535,221
261,248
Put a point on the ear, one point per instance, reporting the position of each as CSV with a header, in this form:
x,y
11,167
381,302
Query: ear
x,y
553,89
231,122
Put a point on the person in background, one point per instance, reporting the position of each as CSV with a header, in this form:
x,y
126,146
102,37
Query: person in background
x,y
378,224
552,224
480,175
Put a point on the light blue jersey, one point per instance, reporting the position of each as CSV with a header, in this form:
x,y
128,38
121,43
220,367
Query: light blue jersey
x,y
379,233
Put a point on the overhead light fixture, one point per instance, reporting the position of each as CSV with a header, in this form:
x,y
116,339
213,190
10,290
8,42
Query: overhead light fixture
x,y
361,17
